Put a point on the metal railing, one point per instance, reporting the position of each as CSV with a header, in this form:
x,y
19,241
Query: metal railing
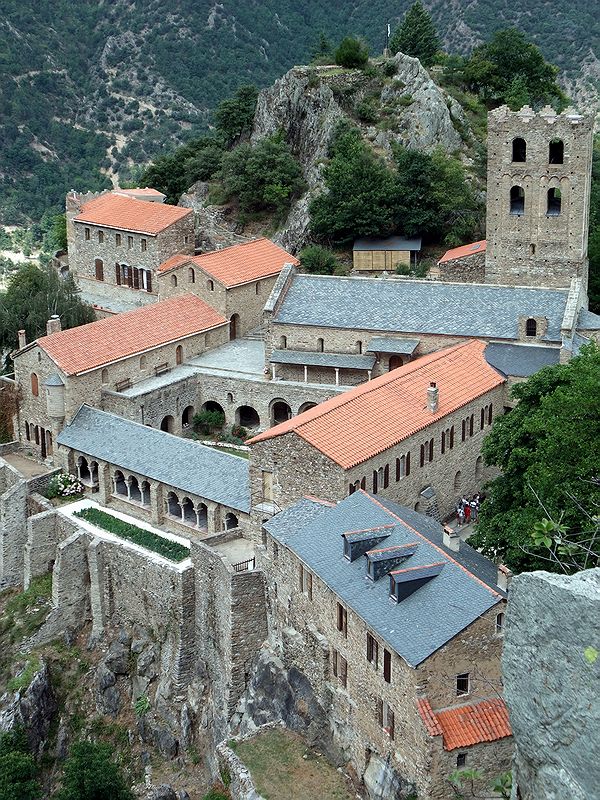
x,y
245,566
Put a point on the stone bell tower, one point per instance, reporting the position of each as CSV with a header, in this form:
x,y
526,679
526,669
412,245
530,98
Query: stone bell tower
x,y
538,197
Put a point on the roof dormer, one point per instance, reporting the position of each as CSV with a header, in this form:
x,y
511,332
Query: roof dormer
x,y
404,582
385,559
357,543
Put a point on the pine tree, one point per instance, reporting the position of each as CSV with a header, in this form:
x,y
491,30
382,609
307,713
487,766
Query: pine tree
x,y
416,36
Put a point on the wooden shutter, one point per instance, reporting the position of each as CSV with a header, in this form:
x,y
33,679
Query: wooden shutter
x,y
443,447
149,280
490,414
482,419
363,483
471,421
136,278
390,722
334,662
451,437
309,584
387,666
422,455
301,577
386,476
431,449
397,470
374,481
118,274
343,671
408,463
380,711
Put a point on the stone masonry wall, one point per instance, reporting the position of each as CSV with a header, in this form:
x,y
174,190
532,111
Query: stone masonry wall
x,y
13,525
469,269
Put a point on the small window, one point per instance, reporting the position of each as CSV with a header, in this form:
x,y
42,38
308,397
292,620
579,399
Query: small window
x,y
463,684
554,203
27,432
118,239
500,624
191,275
143,362
342,619
320,345
104,376
372,650
179,354
173,280
129,242
386,717
531,327
87,234
275,551
387,666
100,237
359,347
257,287
461,760
556,151
519,150
305,580
517,201
532,249
339,667
282,342
35,388
143,245
211,286
186,239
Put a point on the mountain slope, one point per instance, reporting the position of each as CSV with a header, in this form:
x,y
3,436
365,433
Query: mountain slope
x,y
89,89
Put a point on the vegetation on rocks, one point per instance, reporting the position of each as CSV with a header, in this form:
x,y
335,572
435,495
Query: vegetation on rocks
x,y
90,773
352,53
416,36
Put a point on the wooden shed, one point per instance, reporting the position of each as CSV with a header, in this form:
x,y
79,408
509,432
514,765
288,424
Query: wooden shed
x,y
369,255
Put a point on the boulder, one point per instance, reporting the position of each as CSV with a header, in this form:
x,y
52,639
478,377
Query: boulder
x,y
382,782
32,708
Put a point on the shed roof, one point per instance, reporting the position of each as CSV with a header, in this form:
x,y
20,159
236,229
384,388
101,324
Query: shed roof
x,y
420,623
115,210
399,243
462,726
310,359
388,344
588,321
91,346
357,425
464,251
181,463
403,306
520,360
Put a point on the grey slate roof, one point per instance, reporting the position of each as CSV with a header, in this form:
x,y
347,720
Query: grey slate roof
x,y
412,307
391,243
387,344
54,380
520,360
420,624
186,465
310,359
588,321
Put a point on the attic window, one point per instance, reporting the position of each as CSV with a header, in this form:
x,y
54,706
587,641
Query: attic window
x,y
356,543
404,582
531,327
463,684
382,561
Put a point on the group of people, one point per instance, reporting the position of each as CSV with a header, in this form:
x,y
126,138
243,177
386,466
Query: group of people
x,y
468,510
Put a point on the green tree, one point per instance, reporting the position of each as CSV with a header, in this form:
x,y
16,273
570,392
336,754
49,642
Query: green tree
x,y
18,770
198,160
509,68
33,296
416,36
91,774
352,53
547,450
319,260
322,52
264,176
235,116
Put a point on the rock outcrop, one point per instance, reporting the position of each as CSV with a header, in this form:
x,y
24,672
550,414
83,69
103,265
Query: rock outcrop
x,y
32,709
551,667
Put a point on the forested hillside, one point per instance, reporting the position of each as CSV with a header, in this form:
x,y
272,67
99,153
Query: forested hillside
x,y
89,89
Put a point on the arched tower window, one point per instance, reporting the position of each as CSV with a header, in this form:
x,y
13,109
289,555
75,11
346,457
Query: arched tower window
x,y
210,286
517,201
179,354
519,150
554,203
556,151
173,280
35,389
282,342
320,345
191,275
531,328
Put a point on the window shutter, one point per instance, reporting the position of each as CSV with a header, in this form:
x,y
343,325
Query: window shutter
x,y
443,447
334,663
397,470
118,274
490,414
471,421
130,277
363,483
464,430
300,577
136,278
482,419
431,450
374,481
408,463
390,722
380,711
149,280
309,584
422,455
386,476
451,437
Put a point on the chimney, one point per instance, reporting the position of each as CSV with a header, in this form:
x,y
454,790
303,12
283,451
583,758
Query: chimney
x,y
53,325
504,577
432,397
451,539
22,339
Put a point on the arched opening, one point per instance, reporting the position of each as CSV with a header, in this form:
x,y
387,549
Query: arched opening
x,y
120,487
359,347
234,326
99,267
229,397
257,287
167,424
417,506
306,407
247,417
519,150
231,521
189,512
187,417
531,327
500,623
172,505
210,285
280,412
556,151
143,362
395,362
212,405
94,473
532,249
554,203
145,490
35,386
104,376
458,481
36,434
320,345
517,201
282,342
173,280
83,470
49,443
191,275
179,354
202,516
27,432
479,467
134,489
43,442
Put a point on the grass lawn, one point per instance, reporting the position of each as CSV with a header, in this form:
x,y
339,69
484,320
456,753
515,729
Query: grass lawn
x,y
283,767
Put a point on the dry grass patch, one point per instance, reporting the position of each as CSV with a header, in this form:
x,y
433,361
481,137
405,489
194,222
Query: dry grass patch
x,y
283,767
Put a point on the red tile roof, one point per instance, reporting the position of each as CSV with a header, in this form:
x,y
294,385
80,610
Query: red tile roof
x,y
97,343
486,721
465,250
145,191
240,263
357,425
113,210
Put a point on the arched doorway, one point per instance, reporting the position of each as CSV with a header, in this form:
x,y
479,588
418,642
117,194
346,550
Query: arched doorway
x,y
234,326
167,424
179,354
187,417
247,417
212,405
99,267
395,362
306,407
280,412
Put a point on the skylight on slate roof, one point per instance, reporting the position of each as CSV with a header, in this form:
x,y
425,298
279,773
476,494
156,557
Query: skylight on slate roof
x,y
356,543
404,582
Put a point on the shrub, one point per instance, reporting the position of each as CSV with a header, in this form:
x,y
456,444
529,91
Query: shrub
x,y
91,774
207,421
142,705
351,53
318,260
64,485
140,536
390,68
366,111
239,432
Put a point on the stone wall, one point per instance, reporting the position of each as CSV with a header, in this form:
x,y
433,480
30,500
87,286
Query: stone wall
x,y
535,248
13,525
468,269
551,670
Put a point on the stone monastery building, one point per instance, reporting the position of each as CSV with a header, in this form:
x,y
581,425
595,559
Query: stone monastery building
x,y
320,564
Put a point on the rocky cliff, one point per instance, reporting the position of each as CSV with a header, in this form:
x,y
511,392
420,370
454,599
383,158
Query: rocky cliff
x,y
551,667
